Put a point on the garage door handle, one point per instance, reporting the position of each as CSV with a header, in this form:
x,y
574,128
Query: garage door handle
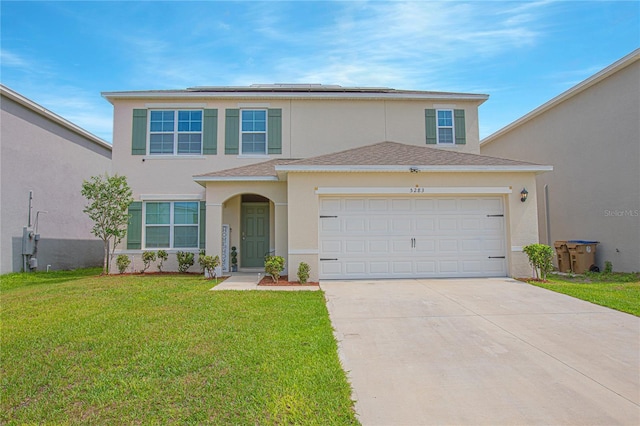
x,y
325,258
327,217
495,215
496,257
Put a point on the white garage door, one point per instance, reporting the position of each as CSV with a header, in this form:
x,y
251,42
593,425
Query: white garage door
x,y
399,237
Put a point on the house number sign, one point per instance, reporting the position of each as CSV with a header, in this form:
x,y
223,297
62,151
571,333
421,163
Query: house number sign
x,y
416,190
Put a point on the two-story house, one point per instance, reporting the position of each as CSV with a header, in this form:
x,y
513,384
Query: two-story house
x,y
356,182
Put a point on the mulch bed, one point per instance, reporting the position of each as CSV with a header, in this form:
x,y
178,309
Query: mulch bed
x,y
284,281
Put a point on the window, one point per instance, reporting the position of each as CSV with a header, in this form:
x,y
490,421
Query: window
x,y
445,126
254,132
171,224
167,138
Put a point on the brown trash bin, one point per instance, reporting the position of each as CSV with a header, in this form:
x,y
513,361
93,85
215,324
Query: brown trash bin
x,y
583,255
562,256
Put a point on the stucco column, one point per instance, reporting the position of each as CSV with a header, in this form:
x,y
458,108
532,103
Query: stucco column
x,y
282,230
214,229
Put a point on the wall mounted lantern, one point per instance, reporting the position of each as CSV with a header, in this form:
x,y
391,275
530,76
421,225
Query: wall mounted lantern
x,y
523,195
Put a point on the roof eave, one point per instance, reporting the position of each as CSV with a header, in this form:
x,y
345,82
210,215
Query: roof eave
x,y
202,180
112,96
416,169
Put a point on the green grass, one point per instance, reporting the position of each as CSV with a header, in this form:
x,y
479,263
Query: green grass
x,y
79,348
616,291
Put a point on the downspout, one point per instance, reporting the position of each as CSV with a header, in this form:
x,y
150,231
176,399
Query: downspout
x,y
546,214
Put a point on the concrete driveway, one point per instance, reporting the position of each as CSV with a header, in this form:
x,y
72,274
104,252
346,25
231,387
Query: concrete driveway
x,y
484,351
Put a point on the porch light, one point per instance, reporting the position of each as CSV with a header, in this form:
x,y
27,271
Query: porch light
x,y
524,194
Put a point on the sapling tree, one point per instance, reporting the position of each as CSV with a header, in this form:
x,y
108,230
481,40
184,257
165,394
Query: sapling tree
x,y
108,199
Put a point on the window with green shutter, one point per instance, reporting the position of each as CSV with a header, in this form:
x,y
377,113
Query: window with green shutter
x,y
134,229
445,126
231,131
139,132
203,224
210,132
274,139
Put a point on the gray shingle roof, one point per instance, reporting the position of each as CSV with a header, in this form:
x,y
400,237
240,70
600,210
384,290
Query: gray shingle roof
x,y
382,155
398,154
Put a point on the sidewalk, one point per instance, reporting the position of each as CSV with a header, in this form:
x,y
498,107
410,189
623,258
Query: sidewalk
x,y
249,281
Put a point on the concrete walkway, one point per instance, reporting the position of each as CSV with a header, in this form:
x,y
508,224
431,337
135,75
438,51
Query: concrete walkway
x,y
484,351
250,280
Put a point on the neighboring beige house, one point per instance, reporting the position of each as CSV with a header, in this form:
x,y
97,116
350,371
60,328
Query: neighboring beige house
x,y
591,136
42,153
357,182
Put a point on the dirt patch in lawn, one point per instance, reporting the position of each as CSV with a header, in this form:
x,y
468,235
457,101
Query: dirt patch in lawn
x,y
284,281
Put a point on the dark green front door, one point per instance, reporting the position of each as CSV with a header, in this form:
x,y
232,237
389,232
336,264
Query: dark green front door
x,y
255,234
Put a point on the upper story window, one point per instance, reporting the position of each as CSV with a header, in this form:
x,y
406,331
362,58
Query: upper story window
x,y
445,126
175,132
254,131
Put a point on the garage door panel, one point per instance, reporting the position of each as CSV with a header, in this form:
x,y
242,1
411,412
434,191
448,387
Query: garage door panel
x,y
402,267
354,205
447,224
426,267
401,205
387,237
424,224
379,246
331,247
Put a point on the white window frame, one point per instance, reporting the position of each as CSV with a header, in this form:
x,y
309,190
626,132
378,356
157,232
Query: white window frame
x,y
175,132
452,127
266,133
172,225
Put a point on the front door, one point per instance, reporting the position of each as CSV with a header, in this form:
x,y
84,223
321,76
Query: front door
x,y
255,234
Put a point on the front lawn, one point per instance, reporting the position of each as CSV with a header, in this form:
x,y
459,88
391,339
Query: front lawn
x,y
79,348
616,291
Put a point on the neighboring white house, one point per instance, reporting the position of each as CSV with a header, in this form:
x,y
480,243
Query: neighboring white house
x,y
357,182
42,153
591,136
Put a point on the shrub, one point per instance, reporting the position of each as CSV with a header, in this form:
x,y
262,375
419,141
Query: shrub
x,y
147,258
162,257
608,267
209,264
185,260
273,266
123,262
303,272
540,258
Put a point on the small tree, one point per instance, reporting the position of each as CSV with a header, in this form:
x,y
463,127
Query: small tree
x,y
147,258
540,258
108,199
273,266
162,257
209,264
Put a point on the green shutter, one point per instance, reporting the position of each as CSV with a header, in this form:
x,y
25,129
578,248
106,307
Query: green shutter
x,y
430,126
134,230
139,132
274,138
231,131
210,132
203,224
458,120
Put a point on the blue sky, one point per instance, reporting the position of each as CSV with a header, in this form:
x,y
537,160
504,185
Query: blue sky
x,y
62,55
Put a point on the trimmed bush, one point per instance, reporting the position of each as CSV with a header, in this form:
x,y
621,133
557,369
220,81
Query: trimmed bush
x,y
123,262
147,258
303,272
185,260
273,266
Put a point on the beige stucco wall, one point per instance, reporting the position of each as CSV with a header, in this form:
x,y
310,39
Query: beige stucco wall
x,y
45,157
521,218
593,142
309,128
